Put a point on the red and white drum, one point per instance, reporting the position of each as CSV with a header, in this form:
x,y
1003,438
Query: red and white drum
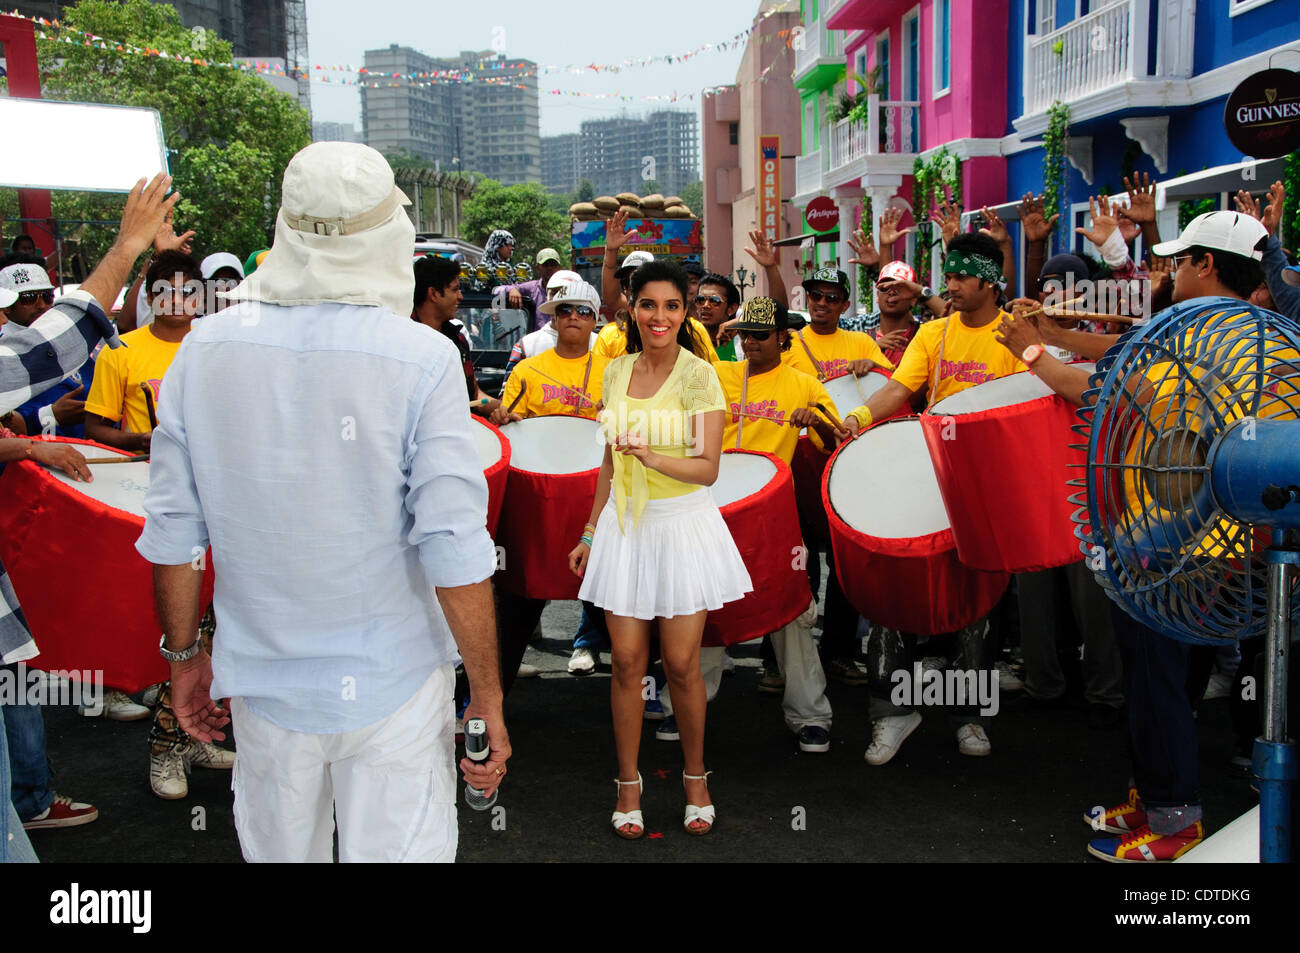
x,y
70,552
494,452
809,463
755,494
554,462
1002,453
894,552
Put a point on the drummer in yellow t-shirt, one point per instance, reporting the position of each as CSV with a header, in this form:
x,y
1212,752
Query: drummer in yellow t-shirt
x,y
567,378
824,350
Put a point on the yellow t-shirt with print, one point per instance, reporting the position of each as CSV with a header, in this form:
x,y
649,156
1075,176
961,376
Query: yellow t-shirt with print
x,y
773,396
833,352
612,341
122,373
555,385
971,356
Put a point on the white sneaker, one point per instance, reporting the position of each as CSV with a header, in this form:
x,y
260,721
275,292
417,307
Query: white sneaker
x,y
582,662
1007,680
167,774
527,671
117,706
888,735
972,740
205,754
728,664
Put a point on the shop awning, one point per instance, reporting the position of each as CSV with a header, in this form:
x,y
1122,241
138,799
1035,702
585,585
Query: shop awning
x,y
1254,175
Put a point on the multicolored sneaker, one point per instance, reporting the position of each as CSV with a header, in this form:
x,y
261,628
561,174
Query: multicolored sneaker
x,y
1125,819
1145,845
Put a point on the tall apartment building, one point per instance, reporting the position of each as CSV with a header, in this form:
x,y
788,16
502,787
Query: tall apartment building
x,y
489,124
618,154
258,29
561,167
334,132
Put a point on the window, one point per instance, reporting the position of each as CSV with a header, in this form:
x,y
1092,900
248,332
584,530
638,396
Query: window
x,y
1043,18
1238,7
882,61
912,57
809,127
942,46
733,132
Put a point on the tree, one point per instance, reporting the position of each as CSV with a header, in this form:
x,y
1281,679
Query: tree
x,y
523,210
229,134
649,187
586,191
693,196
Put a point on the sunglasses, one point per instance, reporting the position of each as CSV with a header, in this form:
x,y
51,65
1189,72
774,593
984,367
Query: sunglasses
x,y
830,297
756,335
711,299
565,310
29,297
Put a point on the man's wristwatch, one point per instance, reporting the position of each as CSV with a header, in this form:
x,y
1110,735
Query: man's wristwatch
x,y
182,656
927,293
1030,355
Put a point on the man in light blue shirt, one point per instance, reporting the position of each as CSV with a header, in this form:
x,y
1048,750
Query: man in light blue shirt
x,y
320,441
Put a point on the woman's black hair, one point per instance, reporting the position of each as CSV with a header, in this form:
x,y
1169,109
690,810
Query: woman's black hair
x,y
675,274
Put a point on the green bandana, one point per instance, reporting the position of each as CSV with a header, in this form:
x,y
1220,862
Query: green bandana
x,y
970,263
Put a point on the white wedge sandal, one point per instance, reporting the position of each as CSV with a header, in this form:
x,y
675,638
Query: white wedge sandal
x,y
696,813
624,818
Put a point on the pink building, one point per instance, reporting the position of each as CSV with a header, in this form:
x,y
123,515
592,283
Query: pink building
x,y
762,103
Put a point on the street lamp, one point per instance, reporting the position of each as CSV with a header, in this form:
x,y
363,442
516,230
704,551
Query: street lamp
x,y
741,274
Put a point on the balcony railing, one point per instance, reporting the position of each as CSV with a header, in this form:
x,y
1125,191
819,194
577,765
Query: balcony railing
x,y
1105,48
892,128
809,48
808,173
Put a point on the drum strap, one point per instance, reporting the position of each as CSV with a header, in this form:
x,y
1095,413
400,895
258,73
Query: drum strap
x,y
744,395
586,376
821,374
931,397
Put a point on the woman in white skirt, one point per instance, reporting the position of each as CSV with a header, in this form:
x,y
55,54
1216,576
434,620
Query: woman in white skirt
x,y
656,547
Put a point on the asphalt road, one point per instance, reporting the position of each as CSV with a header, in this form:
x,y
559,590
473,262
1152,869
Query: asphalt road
x,y
1022,803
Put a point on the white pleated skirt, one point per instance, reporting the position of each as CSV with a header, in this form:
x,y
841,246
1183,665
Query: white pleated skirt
x,y
678,559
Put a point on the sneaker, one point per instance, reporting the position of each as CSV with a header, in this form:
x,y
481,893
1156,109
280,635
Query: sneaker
x,y
728,664
814,738
847,671
1008,680
888,735
971,740
1145,844
666,730
771,682
934,663
582,662
654,710
167,774
527,671
117,706
1220,686
151,694
205,754
62,812
1124,819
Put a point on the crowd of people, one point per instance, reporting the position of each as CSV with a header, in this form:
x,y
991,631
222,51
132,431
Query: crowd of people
x,y
393,514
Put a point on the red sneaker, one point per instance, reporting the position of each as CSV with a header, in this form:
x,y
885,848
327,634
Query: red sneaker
x,y
62,812
1145,845
1125,819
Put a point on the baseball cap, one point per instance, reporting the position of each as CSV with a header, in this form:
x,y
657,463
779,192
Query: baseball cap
x,y
218,260
25,276
829,276
7,297
634,261
563,277
762,314
548,254
897,271
252,262
578,292
1230,232
693,268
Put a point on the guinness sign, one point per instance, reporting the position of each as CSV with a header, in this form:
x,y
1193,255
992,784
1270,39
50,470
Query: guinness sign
x,y
1262,116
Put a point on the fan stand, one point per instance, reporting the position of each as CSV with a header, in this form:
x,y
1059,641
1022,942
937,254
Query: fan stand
x,y
1274,760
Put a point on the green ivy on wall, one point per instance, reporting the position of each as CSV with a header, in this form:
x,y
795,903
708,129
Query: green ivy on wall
x,y
1188,209
929,177
1291,214
1055,141
866,287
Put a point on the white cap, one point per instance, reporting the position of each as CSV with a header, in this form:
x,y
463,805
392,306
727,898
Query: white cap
x,y
563,277
218,260
636,260
7,297
25,277
1230,232
578,292
338,188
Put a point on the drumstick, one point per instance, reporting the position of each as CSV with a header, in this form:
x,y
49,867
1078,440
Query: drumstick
x,y
142,458
481,402
834,421
148,402
523,389
1092,316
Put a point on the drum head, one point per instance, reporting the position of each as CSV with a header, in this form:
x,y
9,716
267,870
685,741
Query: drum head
x,y
741,475
487,443
1000,392
555,445
850,392
883,483
121,485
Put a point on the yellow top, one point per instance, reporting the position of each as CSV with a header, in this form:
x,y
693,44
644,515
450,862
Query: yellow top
x,y
554,385
612,341
117,390
833,352
772,395
665,421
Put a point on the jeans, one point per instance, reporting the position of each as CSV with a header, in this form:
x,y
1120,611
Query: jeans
x,y
1058,609
889,651
30,778
592,633
15,848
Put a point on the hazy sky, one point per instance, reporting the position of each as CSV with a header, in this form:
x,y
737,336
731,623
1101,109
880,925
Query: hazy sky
x,y
554,33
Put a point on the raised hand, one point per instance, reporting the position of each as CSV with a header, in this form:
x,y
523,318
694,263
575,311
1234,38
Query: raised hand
x,y
1104,221
1272,215
148,206
1141,198
1158,268
166,239
1247,205
948,218
994,227
615,234
1037,227
864,250
763,252
889,230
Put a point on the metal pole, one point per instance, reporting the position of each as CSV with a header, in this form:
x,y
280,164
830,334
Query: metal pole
x,y
1274,763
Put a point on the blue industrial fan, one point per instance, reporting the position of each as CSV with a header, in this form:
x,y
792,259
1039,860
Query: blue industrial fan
x,y
1190,517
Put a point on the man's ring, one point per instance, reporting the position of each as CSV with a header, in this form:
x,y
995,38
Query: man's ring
x,y
500,771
